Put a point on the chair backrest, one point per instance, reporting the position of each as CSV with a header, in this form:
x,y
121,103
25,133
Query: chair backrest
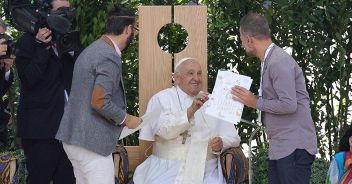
x,y
155,65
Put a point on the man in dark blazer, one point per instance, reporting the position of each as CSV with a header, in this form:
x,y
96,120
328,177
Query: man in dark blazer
x,y
284,102
96,110
6,79
45,80
6,76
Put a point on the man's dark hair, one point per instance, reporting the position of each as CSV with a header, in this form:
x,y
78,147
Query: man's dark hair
x,y
118,19
255,25
344,141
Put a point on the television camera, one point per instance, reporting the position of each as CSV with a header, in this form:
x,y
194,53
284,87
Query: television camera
x,y
30,15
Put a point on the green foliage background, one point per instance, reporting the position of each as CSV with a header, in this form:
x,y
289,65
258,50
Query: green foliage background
x,y
318,33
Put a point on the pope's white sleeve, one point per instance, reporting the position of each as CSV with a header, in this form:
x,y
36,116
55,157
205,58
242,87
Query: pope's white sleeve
x,y
170,123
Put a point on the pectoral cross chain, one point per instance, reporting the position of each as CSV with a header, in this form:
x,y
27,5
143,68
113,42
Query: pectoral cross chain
x,y
184,136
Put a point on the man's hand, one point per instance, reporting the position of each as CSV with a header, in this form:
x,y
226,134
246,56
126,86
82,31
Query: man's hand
x,y
216,144
3,47
7,63
197,103
44,35
132,122
244,96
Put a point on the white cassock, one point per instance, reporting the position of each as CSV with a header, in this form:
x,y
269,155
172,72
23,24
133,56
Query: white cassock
x,y
173,162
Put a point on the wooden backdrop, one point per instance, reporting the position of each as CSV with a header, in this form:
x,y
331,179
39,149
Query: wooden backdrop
x,y
155,65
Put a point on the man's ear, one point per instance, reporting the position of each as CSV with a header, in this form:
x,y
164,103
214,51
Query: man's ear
x,y
250,41
128,29
175,78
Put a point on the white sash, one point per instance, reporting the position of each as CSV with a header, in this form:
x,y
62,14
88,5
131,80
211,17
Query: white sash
x,y
195,162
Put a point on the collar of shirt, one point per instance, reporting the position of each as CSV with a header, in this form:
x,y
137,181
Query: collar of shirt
x,y
57,52
115,45
7,75
268,50
265,55
184,97
262,68
183,94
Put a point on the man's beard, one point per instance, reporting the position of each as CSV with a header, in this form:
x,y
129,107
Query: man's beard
x,y
250,52
129,41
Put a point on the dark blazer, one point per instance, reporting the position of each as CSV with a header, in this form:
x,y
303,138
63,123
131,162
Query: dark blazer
x,y
4,84
4,116
43,77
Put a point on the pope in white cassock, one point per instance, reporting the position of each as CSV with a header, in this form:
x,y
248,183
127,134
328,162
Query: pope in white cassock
x,y
186,142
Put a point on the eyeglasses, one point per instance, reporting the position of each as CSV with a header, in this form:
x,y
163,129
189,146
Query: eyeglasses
x,y
136,30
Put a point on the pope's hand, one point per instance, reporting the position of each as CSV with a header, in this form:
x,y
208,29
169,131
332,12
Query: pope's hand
x,y
132,122
197,103
216,144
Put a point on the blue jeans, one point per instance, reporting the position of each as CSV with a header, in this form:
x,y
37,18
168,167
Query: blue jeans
x,y
293,169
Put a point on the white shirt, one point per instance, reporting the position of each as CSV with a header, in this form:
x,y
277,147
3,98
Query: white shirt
x,y
262,67
7,75
118,51
166,164
260,91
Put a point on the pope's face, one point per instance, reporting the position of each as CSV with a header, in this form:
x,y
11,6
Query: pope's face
x,y
189,77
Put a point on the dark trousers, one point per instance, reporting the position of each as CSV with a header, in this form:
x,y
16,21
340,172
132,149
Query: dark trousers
x,y
293,169
47,161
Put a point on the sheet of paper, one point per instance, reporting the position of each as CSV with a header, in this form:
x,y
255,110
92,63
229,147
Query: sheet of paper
x,y
221,105
147,118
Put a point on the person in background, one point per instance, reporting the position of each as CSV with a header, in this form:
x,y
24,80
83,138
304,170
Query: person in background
x,y
6,76
6,79
340,170
45,79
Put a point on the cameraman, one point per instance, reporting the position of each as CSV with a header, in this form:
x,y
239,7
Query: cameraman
x,y
45,84
6,76
6,79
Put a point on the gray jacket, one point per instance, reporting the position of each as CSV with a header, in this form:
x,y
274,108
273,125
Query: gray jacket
x,y
82,125
285,106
